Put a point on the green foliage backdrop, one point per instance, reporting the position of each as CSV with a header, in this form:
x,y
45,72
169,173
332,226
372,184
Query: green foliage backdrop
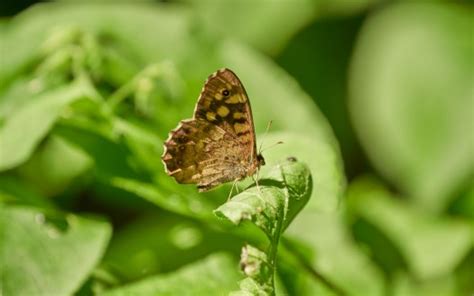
x,y
370,193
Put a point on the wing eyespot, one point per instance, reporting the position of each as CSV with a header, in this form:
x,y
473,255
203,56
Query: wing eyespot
x,y
225,92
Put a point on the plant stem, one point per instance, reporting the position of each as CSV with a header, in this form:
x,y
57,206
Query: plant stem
x,y
273,251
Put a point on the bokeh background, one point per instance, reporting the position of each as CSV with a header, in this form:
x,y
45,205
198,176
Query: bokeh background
x,y
375,96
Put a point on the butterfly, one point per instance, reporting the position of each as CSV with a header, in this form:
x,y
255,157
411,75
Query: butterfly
x,y
218,144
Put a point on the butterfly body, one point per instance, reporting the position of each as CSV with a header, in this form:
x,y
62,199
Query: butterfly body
x,y
218,144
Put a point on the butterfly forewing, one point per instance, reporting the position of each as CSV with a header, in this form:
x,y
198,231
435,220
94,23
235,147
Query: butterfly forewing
x,y
218,144
224,102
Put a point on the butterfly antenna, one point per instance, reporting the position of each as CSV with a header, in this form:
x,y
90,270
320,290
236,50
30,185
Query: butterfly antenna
x,y
271,146
264,136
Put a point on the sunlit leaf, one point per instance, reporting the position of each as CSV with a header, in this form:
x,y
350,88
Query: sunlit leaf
x,y
214,275
46,253
25,128
281,195
411,98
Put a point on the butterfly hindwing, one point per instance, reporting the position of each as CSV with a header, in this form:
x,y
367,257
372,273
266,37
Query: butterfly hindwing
x,y
218,144
196,153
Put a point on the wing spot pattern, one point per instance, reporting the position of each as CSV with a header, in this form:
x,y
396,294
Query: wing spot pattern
x,y
223,111
211,116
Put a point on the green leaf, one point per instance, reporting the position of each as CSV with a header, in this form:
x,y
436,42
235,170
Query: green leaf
x,y
404,285
249,287
319,62
144,144
137,251
464,204
322,232
256,266
304,283
17,191
27,31
110,156
332,253
271,206
268,25
60,163
254,263
411,98
19,92
27,126
178,203
214,275
431,245
47,253
282,193
322,159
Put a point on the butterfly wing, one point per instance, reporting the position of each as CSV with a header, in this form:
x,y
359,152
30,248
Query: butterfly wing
x,y
202,153
218,144
224,102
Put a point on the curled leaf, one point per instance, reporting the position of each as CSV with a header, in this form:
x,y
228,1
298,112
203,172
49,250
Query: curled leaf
x,y
253,262
249,287
271,206
281,194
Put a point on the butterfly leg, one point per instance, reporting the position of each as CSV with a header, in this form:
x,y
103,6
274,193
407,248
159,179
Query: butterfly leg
x,y
255,178
234,184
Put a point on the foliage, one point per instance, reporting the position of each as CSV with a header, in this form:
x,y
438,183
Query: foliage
x,y
39,244
271,206
206,277
89,92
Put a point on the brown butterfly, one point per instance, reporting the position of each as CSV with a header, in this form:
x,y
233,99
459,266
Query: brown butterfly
x,y
218,144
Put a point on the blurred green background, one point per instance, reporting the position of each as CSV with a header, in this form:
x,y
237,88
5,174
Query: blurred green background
x,y
376,97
